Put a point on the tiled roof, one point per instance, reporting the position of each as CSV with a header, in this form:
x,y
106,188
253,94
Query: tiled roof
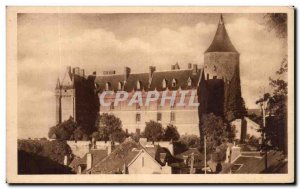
x,y
113,163
97,156
250,163
181,77
221,41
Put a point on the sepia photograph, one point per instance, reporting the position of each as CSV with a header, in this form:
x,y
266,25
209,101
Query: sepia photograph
x,y
124,94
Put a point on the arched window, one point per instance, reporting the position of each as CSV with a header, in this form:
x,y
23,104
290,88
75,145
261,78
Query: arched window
x,y
174,83
107,86
138,85
120,86
164,83
189,82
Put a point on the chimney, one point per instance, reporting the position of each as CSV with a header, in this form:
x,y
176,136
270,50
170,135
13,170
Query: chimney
x,y
189,66
94,73
109,148
195,69
82,72
126,73
151,70
88,161
76,71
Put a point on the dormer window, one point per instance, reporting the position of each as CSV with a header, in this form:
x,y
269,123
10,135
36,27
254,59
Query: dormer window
x,y
107,86
120,86
164,83
189,82
138,85
174,83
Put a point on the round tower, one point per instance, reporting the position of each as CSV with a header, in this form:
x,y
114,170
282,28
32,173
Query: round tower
x,y
221,59
221,68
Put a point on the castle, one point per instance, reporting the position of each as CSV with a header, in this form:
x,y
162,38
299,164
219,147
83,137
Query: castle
x,y
217,85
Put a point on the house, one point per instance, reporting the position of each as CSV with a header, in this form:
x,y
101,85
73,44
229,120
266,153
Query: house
x,y
130,158
254,162
81,165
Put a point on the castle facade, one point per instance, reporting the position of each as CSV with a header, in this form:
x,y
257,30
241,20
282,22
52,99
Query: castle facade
x,y
215,86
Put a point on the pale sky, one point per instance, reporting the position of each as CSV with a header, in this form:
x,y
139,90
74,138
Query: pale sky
x,y
48,43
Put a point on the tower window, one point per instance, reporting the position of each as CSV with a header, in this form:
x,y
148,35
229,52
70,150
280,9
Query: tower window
x,y
137,106
138,117
159,116
172,116
174,83
112,107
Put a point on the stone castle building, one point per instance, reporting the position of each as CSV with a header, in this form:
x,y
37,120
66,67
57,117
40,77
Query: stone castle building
x,y
217,88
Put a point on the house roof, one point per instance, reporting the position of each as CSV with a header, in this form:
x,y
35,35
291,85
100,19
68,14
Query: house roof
x,y
115,161
97,156
189,153
252,163
221,41
180,76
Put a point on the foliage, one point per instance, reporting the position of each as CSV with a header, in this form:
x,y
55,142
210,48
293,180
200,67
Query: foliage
x,y
191,141
110,128
171,133
234,103
276,122
215,131
276,22
54,150
63,131
154,131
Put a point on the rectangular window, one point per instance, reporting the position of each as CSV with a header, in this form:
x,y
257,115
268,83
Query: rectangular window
x,y
138,107
158,116
172,116
138,117
112,107
143,163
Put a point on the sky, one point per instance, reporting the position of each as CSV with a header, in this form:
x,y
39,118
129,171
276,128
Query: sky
x,y
48,43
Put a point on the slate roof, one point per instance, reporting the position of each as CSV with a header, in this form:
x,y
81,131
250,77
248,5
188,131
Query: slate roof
x,y
253,163
113,163
221,41
97,156
181,77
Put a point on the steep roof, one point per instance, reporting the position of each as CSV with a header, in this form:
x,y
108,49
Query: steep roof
x,y
221,41
123,154
181,77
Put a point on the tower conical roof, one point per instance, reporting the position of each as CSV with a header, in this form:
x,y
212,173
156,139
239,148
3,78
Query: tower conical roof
x,y
221,41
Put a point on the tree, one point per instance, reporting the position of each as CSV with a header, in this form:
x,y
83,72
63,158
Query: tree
x,y
191,141
63,131
118,136
110,128
276,22
276,122
43,157
171,133
154,131
215,131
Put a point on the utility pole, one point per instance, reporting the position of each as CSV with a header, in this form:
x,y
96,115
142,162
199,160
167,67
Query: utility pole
x,y
263,101
192,164
205,154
